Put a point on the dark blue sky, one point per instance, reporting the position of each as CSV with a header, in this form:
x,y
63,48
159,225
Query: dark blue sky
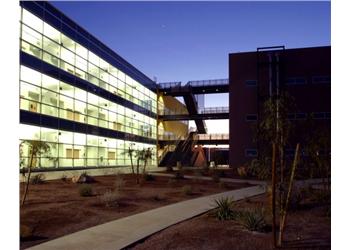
x,y
182,41
191,40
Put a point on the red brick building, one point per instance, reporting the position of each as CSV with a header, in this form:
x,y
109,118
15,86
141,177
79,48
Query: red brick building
x,y
305,73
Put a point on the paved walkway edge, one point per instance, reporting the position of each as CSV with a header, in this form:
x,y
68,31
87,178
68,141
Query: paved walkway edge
x,y
252,182
123,232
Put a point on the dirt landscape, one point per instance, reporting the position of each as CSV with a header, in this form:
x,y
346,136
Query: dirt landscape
x,y
56,208
308,227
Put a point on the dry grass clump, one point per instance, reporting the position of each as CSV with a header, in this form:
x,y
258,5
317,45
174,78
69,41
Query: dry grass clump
x,y
110,198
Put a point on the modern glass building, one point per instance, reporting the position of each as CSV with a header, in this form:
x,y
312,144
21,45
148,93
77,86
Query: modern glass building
x,y
88,103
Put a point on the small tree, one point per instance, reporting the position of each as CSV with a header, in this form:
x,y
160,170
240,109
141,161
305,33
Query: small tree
x,y
130,151
147,156
36,148
142,155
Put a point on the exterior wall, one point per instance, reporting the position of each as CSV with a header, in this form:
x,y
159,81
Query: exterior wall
x,y
55,175
175,128
78,96
310,97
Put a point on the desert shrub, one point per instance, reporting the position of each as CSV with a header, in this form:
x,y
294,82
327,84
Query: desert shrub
x,y
37,179
187,190
260,169
253,219
179,175
85,190
110,198
86,178
119,182
224,209
242,171
148,177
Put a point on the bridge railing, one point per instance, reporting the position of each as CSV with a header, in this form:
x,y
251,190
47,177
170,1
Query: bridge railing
x,y
167,85
199,83
213,110
213,136
202,83
199,137
209,110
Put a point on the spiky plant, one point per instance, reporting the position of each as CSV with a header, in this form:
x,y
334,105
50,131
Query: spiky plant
x,y
224,208
253,219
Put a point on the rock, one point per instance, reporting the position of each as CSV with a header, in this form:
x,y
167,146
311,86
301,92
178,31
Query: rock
x,y
75,179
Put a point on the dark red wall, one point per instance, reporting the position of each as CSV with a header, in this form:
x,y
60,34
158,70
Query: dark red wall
x,y
309,97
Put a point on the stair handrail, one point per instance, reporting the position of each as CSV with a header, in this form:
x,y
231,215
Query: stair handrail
x,y
167,149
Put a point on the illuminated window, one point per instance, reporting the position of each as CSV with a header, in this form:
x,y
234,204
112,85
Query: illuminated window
x,y
68,43
32,21
67,56
94,59
31,36
30,75
52,33
51,59
52,47
81,51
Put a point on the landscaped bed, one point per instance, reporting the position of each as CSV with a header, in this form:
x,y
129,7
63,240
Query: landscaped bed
x,y
56,208
308,227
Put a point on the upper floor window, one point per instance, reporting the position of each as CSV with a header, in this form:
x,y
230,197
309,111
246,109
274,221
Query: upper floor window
x,y
52,33
251,152
321,79
251,117
296,116
321,115
32,21
251,83
295,80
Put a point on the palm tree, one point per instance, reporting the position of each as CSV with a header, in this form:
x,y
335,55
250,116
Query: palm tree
x,y
140,156
147,156
36,148
130,151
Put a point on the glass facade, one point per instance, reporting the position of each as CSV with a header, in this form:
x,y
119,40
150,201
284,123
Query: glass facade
x,y
69,149
48,44
46,95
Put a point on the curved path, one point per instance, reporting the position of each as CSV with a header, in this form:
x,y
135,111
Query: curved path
x,y
123,232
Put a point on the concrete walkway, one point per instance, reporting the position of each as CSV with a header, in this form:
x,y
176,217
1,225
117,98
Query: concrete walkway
x,y
125,231
252,182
